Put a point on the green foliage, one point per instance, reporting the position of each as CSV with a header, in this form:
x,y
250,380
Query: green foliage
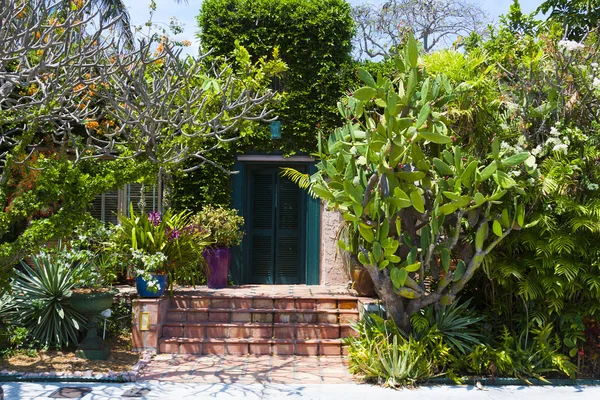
x,y
222,226
141,238
579,16
40,301
522,358
394,172
47,197
315,30
382,354
455,325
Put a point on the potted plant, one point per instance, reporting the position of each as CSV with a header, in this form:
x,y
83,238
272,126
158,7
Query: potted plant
x,y
92,293
224,231
168,244
151,277
348,244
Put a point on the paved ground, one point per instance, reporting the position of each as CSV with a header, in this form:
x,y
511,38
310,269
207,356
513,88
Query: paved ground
x,y
181,391
247,369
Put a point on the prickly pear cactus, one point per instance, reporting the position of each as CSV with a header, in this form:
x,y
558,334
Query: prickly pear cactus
x,y
427,212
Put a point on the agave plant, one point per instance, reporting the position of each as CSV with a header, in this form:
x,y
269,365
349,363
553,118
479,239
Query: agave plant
x,y
40,301
455,324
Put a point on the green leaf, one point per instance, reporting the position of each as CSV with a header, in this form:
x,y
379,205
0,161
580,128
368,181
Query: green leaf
x,y
391,102
366,233
569,342
417,201
442,167
480,236
503,180
323,193
497,228
573,352
355,194
412,51
479,198
377,252
366,77
342,245
521,215
445,258
423,114
488,171
364,93
505,218
447,209
467,176
516,159
413,267
435,137
402,198
349,217
398,276
461,267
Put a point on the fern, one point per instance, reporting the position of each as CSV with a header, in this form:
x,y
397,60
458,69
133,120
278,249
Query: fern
x,y
299,178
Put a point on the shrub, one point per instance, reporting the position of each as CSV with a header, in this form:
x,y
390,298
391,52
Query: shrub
x,y
40,301
223,225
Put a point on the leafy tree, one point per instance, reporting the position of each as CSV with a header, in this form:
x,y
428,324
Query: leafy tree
x,y
381,28
71,94
416,198
313,37
578,16
550,90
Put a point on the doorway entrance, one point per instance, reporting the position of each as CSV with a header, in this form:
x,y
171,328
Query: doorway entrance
x,y
275,219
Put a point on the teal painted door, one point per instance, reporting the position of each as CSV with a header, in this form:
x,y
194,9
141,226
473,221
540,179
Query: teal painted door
x,y
276,227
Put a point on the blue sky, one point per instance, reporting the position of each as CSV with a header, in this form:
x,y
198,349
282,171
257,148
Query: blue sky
x,y
186,13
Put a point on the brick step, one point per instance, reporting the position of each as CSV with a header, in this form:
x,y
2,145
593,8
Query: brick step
x,y
303,347
261,302
242,330
225,315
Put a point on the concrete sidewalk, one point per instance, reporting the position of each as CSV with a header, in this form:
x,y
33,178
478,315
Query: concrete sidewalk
x,y
181,391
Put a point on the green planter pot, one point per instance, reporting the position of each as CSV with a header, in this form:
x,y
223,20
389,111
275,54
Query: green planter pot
x,y
90,304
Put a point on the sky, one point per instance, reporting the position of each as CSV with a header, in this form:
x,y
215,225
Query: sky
x,y
186,13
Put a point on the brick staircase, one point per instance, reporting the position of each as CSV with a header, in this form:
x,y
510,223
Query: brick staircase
x,y
230,324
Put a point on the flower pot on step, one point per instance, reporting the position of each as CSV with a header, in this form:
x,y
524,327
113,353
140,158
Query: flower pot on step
x,y
218,260
145,288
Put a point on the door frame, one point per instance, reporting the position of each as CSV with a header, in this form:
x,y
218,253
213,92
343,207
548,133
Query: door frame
x,y
312,211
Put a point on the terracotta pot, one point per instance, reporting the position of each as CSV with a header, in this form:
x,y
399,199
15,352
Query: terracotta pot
x,y
362,282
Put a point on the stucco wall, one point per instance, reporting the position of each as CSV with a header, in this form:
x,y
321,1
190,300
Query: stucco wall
x,y
332,270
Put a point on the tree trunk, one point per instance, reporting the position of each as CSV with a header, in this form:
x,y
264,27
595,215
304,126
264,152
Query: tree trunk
x,y
394,303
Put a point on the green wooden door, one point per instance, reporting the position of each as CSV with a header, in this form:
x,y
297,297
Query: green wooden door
x,y
276,226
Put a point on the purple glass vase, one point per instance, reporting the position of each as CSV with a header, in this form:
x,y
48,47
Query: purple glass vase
x,y
218,266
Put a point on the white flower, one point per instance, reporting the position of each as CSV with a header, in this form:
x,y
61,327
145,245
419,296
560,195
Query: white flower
x,y
594,65
570,45
515,173
596,83
561,147
537,151
566,140
356,181
554,131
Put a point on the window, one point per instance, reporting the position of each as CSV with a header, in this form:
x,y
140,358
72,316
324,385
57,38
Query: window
x,y
106,206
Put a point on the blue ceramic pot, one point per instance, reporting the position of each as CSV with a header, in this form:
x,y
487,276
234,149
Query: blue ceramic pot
x,y
142,286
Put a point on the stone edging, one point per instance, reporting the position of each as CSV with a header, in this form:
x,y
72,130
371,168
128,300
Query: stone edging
x,y
79,376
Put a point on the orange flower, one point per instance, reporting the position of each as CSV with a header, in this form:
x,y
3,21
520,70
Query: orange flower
x,y
92,125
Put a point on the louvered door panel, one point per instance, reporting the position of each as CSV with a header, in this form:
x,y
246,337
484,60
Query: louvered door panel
x,y
289,257
276,225
262,221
